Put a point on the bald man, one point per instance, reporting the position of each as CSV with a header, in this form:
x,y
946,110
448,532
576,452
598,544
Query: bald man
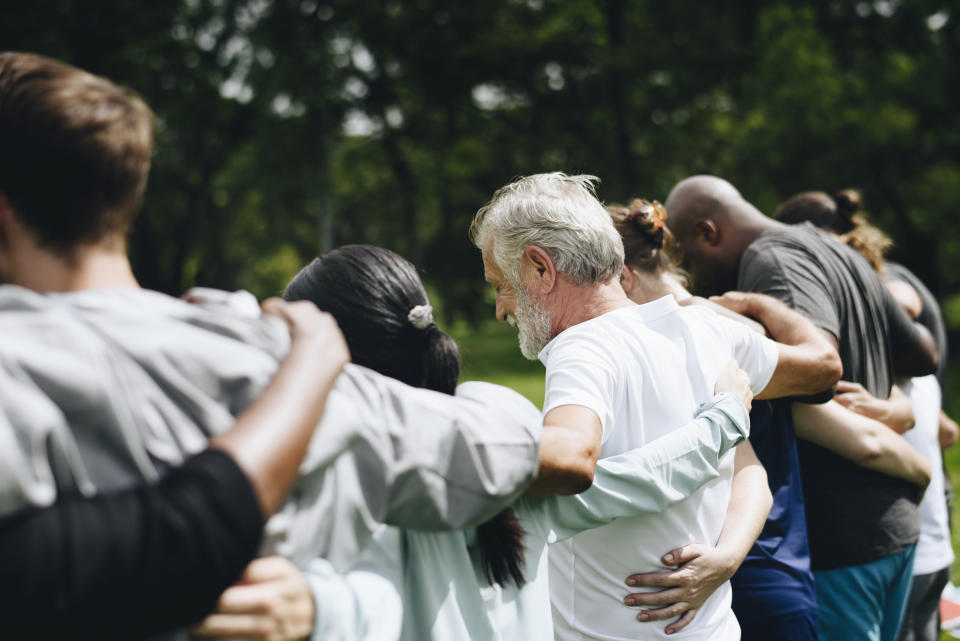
x,y
862,525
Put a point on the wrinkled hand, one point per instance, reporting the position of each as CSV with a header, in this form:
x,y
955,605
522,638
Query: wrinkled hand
x,y
734,380
702,569
856,398
310,328
271,602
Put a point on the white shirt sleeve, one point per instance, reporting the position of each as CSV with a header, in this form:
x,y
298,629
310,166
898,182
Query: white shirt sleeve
x,y
580,371
756,354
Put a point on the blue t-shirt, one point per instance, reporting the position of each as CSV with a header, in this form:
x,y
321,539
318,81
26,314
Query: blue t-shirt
x,y
775,577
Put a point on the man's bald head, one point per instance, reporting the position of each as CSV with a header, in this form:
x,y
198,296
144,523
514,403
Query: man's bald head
x,y
713,225
700,197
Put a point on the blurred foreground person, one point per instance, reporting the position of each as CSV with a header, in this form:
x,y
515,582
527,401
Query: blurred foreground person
x,y
773,591
625,374
104,385
862,525
484,583
842,215
76,569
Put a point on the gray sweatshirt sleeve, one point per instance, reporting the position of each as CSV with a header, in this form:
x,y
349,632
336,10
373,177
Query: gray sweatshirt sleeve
x,y
389,453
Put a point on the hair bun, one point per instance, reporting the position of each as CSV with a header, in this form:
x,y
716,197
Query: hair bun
x,y
648,217
848,203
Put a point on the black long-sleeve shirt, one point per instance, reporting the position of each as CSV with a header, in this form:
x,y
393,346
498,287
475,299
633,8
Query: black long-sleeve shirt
x,y
130,564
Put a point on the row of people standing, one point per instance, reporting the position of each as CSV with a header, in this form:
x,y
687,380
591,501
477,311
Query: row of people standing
x,y
627,367
862,519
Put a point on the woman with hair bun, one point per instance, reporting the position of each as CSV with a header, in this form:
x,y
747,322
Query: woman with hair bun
x,y
489,582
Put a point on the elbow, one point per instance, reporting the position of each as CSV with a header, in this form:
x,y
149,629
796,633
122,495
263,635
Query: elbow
x,y
867,450
831,369
580,480
578,473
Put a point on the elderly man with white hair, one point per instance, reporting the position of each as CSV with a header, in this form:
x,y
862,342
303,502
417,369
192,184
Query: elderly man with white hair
x,y
626,374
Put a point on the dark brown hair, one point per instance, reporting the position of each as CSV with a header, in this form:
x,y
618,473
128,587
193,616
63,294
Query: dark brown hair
x,y
647,243
74,151
370,292
841,214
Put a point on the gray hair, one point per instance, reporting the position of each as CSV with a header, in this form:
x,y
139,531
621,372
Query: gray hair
x,y
561,215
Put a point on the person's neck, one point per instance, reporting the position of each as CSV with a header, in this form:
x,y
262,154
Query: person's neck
x,y
650,287
87,267
752,227
578,304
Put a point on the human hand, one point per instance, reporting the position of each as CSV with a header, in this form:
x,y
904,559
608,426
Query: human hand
x,y
310,328
271,602
895,412
745,303
856,398
734,380
702,569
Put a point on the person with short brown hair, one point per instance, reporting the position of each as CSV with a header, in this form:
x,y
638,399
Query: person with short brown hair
x,y
104,385
74,152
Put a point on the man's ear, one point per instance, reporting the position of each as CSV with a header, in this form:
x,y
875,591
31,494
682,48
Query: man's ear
x,y
708,231
541,271
627,279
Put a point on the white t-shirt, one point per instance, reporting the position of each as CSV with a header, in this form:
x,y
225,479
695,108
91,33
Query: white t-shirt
x,y
934,551
643,370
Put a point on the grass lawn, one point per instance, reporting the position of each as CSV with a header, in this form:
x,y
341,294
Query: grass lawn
x,y
491,354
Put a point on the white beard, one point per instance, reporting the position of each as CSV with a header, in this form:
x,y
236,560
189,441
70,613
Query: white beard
x,y
533,324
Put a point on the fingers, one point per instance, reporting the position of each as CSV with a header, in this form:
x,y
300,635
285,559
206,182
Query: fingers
x,y
683,554
656,580
734,301
268,568
658,600
844,387
242,626
659,614
256,598
293,313
682,622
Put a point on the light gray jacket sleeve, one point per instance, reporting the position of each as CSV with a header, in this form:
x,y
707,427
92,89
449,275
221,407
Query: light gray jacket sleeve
x,y
648,479
389,453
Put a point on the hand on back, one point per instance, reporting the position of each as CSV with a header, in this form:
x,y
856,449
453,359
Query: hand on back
x,y
734,380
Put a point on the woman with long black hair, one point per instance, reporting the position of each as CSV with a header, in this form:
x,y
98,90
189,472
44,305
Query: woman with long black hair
x,y
489,582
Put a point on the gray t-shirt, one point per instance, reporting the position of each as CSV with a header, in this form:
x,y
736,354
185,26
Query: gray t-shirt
x,y
930,316
854,515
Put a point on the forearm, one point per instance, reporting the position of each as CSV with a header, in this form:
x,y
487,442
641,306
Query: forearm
x,y
750,503
271,436
862,440
649,479
79,568
808,363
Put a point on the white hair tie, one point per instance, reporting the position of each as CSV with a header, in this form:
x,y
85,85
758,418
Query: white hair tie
x,y
421,316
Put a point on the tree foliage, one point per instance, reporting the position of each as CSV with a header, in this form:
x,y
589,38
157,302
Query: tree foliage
x,y
290,126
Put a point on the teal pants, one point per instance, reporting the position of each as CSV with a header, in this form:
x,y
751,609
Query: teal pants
x,y
865,602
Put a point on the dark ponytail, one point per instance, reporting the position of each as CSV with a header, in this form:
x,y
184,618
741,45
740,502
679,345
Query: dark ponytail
x,y
381,306
841,214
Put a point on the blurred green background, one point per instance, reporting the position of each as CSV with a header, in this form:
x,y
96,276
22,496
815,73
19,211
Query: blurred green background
x,y
291,126
287,127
